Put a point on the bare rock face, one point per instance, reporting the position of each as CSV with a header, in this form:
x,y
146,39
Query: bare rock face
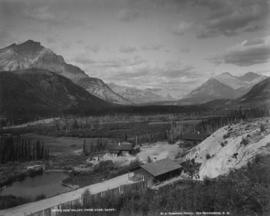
x,y
231,147
31,54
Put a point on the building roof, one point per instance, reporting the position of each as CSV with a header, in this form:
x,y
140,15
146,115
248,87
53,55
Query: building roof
x,y
161,167
123,146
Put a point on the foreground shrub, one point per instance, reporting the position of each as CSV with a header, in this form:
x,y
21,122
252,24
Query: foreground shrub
x,y
10,201
244,141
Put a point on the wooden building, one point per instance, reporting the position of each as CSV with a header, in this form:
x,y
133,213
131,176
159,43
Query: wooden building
x,y
159,171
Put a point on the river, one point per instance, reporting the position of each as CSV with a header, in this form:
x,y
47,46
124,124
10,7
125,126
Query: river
x,y
48,184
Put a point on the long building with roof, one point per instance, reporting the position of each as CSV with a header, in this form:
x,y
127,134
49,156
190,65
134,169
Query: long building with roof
x,y
159,171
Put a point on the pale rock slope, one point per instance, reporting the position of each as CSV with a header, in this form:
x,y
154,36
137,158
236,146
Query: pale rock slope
x,y
231,147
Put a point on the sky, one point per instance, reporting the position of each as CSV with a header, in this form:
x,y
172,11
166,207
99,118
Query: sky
x,y
171,46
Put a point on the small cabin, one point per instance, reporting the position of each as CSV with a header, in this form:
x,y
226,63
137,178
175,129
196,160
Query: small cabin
x,y
159,171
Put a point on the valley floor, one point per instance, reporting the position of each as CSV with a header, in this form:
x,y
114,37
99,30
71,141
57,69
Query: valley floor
x,y
229,148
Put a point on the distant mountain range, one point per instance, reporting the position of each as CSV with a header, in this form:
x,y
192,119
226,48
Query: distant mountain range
x,y
257,96
31,54
139,96
35,81
41,92
223,86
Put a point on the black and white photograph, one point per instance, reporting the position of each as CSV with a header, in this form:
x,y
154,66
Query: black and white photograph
x,y
134,107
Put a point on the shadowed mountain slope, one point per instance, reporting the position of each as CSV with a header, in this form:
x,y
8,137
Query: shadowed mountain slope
x,y
41,92
31,54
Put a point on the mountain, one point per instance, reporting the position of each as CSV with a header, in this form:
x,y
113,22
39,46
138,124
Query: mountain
x,y
31,54
100,89
250,77
223,86
240,83
257,97
208,91
138,96
230,80
35,92
259,94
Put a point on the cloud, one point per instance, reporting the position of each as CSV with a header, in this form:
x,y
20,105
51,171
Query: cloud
x,y
173,76
83,60
128,15
35,14
5,38
51,40
176,80
152,47
185,50
111,63
79,42
92,48
186,71
127,49
232,17
32,10
213,18
256,41
127,76
40,12
66,45
247,53
153,72
181,28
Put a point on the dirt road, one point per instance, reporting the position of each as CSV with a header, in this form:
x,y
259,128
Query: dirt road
x,y
28,208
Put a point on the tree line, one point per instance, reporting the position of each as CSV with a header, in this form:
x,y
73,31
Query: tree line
x,y
210,125
19,148
92,147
